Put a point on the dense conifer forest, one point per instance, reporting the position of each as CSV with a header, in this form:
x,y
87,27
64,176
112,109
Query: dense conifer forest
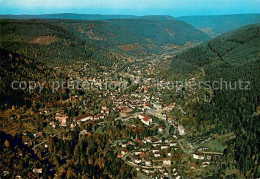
x,y
231,57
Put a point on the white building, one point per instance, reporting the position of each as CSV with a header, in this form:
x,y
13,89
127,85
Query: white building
x,y
164,147
205,164
181,129
157,154
137,160
156,150
123,152
62,120
148,171
138,152
198,156
160,129
36,170
148,162
173,144
167,161
87,119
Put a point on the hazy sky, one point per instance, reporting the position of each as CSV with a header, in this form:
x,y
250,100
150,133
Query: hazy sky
x,y
131,7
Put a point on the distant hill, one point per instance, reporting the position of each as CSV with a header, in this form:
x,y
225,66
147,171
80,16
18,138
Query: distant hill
x,y
144,31
60,42
218,24
127,33
232,61
68,16
73,16
155,17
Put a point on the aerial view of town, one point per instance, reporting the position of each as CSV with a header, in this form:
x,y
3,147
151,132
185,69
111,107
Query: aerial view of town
x,y
151,89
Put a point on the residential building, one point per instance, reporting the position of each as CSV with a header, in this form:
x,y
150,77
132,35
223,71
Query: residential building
x,y
167,161
147,120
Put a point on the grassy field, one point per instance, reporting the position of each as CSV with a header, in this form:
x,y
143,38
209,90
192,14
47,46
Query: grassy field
x,y
214,146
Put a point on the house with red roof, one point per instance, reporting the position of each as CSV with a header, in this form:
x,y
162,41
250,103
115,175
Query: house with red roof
x,y
138,141
193,166
147,106
123,152
142,154
147,120
146,89
119,155
107,111
96,117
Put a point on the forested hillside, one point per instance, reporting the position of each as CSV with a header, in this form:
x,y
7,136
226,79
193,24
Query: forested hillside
x,y
42,41
60,42
232,57
17,68
216,25
146,33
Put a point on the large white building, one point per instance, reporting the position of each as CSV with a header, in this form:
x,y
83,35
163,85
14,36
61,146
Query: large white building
x,y
197,155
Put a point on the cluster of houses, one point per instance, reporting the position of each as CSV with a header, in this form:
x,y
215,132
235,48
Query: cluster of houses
x,y
125,104
151,161
206,158
62,119
87,117
139,104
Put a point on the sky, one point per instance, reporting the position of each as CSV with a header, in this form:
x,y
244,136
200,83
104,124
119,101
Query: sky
x,y
131,7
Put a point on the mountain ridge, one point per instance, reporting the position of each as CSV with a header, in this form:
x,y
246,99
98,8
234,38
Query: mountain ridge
x,y
214,25
84,16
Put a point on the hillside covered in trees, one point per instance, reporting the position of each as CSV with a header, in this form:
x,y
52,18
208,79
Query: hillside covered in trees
x,y
42,41
17,68
50,43
148,30
61,42
218,24
232,57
